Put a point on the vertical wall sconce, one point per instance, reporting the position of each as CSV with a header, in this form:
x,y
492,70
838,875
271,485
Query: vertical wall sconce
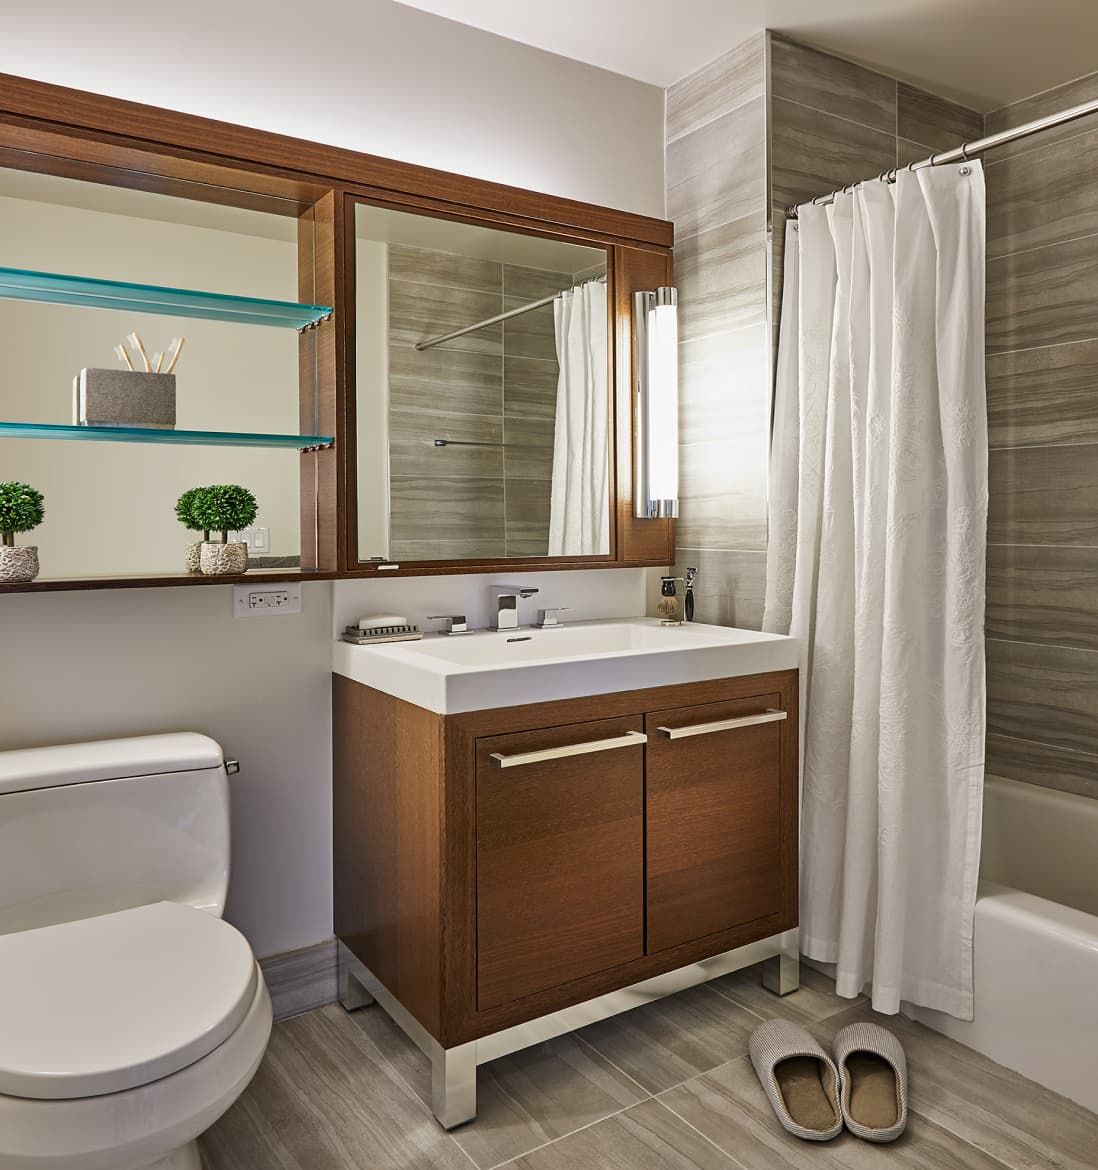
x,y
656,369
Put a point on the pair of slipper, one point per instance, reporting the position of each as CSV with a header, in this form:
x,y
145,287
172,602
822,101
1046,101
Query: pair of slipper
x,y
864,1087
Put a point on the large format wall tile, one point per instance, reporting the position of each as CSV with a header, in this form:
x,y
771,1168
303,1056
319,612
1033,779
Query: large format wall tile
x,y
427,266
813,153
532,334
532,284
1040,763
1043,396
1043,297
528,448
412,450
1046,196
1043,495
731,587
926,118
1043,593
727,83
437,508
832,85
530,389
718,173
723,493
444,379
1048,694
527,516
420,311
725,387
721,277
1051,101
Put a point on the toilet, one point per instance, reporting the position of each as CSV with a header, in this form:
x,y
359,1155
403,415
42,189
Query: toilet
x,y
131,1015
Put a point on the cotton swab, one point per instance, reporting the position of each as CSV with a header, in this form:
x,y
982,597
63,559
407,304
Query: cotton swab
x,y
158,359
123,353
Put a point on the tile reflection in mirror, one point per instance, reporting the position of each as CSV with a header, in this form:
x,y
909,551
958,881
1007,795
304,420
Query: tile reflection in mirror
x,y
492,395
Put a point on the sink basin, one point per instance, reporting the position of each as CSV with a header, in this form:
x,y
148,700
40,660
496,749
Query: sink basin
x,y
508,668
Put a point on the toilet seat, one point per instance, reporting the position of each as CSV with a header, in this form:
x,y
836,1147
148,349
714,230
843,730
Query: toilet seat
x,y
106,1004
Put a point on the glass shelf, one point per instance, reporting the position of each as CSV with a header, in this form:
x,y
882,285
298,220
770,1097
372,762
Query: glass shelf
x,y
20,285
19,430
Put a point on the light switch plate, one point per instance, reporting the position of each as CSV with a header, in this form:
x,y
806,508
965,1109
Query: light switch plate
x,y
258,540
262,600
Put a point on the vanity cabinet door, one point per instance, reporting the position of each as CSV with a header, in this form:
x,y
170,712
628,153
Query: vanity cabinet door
x,y
713,818
559,855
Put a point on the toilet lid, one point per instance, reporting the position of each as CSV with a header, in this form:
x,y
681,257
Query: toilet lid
x,y
106,1004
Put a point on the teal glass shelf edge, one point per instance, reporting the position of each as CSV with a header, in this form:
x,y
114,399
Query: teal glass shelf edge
x,y
54,288
17,430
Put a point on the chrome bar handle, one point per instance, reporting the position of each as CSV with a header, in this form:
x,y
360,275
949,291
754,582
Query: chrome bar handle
x,y
768,716
629,739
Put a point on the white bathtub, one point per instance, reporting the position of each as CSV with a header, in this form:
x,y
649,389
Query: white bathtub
x,y
1036,960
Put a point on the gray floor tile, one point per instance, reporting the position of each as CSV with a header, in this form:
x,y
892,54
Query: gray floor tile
x,y
324,1099
646,1137
729,1106
999,1111
673,1039
814,1000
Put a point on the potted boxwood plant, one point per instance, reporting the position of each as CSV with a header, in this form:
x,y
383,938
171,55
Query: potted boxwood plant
x,y
220,508
184,513
21,509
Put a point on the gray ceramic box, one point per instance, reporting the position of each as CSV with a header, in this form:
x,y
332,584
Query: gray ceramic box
x,y
124,398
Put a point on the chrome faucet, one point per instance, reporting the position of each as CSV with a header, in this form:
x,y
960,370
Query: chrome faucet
x,y
505,599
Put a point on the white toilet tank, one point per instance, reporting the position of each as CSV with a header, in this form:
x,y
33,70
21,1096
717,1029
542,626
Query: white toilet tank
x,y
90,828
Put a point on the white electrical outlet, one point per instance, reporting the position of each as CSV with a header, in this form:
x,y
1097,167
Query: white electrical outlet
x,y
260,600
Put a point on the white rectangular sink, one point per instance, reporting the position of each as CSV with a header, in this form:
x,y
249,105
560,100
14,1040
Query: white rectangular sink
x,y
508,668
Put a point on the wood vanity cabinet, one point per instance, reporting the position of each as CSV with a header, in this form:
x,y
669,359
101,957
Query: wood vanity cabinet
x,y
494,866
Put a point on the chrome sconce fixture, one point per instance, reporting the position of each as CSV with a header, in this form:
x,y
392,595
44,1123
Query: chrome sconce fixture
x,y
656,372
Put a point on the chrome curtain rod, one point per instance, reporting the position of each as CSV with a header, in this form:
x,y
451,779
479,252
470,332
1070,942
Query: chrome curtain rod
x,y
966,152
432,342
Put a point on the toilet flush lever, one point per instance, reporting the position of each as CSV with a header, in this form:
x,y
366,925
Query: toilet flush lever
x,y
232,767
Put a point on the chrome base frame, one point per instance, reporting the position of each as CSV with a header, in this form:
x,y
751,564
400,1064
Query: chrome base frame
x,y
454,1070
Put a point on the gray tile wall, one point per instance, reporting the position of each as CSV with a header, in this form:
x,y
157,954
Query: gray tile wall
x,y
771,120
1042,340
832,123
716,194
496,386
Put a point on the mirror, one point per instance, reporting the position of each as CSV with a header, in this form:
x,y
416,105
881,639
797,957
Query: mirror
x,y
483,392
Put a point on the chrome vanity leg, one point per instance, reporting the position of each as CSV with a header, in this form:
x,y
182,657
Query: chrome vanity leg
x,y
782,973
349,990
454,1084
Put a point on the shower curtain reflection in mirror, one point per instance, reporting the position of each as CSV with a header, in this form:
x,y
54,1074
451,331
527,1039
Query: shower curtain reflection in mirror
x,y
579,520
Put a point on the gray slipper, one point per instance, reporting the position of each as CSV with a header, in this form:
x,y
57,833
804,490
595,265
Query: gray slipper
x,y
873,1073
799,1078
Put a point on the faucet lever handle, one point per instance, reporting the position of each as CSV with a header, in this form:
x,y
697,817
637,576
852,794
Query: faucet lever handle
x,y
548,618
455,622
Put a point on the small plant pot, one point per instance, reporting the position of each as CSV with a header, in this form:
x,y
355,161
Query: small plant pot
x,y
19,563
223,560
193,559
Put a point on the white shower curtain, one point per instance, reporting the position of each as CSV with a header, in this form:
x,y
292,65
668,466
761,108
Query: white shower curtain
x,y
579,514
878,511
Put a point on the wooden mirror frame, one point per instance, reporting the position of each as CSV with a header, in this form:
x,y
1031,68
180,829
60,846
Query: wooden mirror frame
x,y
83,135
629,267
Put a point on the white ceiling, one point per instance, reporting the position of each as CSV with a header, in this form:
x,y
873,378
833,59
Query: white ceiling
x,y
985,53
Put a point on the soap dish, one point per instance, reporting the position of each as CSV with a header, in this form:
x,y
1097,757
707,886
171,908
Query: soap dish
x,y
358,636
